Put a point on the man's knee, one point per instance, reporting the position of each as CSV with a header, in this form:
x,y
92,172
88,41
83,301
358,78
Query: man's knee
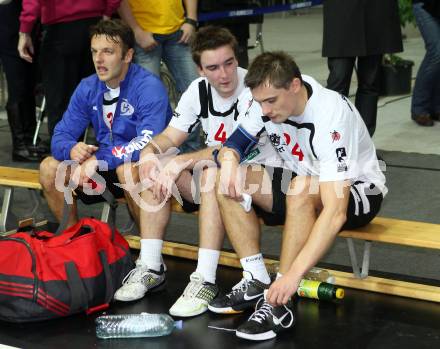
x,y
128,173
48,170
303,193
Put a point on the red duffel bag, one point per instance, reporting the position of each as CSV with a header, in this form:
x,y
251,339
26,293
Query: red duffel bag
x,y
45,276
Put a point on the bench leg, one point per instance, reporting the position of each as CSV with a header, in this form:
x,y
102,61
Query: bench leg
x,y
358,272
7,196
35,198
105,215
105,212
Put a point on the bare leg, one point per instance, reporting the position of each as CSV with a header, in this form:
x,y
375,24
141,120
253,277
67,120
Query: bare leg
x,y
123,171
243,228
211,229
55,198
308,205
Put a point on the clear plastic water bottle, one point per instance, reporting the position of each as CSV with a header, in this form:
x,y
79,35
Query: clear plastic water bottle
x,y
318,274
135,325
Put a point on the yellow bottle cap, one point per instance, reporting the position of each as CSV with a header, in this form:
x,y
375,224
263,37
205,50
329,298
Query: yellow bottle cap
x,y
340,293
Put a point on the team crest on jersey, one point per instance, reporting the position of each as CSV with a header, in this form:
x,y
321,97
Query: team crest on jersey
x,y
341,154
336,136
126,108
275,139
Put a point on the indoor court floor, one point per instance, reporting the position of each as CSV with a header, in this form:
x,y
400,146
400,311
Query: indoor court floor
x,y
360,320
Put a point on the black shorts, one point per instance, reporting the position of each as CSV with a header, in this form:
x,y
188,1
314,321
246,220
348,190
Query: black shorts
x,y
110,178
280,183
363,205
281,179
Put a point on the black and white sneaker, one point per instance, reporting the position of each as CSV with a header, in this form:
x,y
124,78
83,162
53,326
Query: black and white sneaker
x,y
244,295
266,321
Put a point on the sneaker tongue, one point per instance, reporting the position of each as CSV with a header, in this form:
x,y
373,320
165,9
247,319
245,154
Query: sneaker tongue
x,y
196,277
265,294
247,275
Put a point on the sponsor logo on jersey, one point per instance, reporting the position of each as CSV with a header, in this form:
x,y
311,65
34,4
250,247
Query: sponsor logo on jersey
x,y
252,154
275,139
336,136
176,115
126,108
341,154
138,143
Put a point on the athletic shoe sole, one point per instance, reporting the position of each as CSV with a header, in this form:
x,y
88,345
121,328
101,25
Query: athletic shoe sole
x,y
256,337
154,289
196,312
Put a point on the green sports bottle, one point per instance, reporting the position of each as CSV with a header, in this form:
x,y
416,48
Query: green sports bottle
x,y
319,290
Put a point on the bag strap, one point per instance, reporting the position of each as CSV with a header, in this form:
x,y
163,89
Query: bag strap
x,y
79,300
108,197
108,276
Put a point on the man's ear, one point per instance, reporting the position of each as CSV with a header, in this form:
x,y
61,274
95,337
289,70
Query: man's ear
x,y
295,85
200,71
129,55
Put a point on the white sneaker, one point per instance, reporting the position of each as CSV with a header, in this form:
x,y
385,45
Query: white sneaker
x,y
195,298
139,281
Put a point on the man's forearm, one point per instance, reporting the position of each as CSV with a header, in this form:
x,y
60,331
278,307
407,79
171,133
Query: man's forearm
x,y
127,15
191,9
198,156
227,154
158,145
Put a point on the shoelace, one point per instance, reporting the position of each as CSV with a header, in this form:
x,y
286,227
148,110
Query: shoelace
x,y
242,286
192,289
132,277
260,314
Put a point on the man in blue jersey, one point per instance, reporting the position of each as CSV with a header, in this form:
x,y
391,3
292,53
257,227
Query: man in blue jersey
x,y
126,106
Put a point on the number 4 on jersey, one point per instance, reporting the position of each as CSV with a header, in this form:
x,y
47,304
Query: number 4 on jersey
x,y
296,150
220,135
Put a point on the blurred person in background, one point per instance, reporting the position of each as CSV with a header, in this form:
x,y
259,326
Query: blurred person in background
x,y
66,42
425,103
360,32
20,106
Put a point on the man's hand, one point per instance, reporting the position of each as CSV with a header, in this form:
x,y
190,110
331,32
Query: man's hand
x,y
85,171
281,290
188,31
145,39
163,186
82,151
231,176
149,167
25,47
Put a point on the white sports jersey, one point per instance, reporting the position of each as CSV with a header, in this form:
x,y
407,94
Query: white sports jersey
x,y
219,116
329,140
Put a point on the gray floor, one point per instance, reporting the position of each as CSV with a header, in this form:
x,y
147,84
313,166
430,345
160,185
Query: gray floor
x,y
411,152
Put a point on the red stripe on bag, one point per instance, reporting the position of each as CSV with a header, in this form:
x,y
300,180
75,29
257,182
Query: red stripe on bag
x,y
52,302
8,283
17,294
53,310
97,308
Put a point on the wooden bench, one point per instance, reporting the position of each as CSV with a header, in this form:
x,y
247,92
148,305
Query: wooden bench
x,y
382,230
11,178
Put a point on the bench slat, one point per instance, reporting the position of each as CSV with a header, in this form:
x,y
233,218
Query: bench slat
x,y
19,177
396,231
371,283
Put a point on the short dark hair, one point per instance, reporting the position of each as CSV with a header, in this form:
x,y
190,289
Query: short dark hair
x,y
277,68
211,38
116,31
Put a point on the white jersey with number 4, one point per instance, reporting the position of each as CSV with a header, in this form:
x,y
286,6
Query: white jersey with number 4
x,y
219,116
329,140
